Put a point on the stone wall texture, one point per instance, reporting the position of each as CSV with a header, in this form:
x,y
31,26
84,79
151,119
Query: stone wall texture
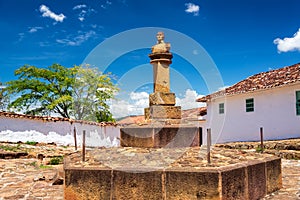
x,y
245,181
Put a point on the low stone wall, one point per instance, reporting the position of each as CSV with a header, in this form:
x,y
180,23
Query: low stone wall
x,y
247,180
289,149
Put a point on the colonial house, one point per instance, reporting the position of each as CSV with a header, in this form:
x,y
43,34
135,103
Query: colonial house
x,y
270,100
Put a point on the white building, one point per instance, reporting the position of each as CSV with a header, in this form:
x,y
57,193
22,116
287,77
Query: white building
x,y
270,100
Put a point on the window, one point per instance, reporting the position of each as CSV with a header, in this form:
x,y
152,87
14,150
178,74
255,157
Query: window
x,y
250,105
298,102
221,108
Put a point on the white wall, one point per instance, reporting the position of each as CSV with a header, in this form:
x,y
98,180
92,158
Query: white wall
x,y
274,110
63,128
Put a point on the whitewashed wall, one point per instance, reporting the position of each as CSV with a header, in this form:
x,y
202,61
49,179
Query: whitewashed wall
x,y
274,110
62,128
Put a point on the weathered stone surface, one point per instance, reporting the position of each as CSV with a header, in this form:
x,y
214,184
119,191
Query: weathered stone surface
x,y
164,136
137,137
162,98
87,183
164,112
180,136
234,183
161,75
274,176
138,185
192,185
256,179
17,175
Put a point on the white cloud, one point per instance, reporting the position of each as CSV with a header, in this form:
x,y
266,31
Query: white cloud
x,y
139,100
76,40
79,6
106,4
138,95
188,101
34,29
192,8
288,44
48,13
21,36
81,15
83,12
134,105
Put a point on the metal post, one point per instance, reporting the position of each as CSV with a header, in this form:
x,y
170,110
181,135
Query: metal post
x,y
208,144
83,146
75,139
261,139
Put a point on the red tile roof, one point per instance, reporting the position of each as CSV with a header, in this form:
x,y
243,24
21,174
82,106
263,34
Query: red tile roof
x,y
185,114
265,80
51,119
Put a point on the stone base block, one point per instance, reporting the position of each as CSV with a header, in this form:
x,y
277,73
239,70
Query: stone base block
x,y
192,184
157,137
162,98
87,184
244,181
163,112
274,175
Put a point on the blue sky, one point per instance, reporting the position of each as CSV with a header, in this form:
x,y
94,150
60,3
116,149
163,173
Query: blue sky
x,y
242,38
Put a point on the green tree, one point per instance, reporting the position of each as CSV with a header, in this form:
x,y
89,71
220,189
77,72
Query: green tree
x,y
92,90
78,92
42,91
3,98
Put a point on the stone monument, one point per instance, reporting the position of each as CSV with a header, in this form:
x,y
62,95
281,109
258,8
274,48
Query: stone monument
x,y
162,102
164,126
179,173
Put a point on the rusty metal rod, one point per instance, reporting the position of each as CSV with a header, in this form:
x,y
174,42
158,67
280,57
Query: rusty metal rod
x,y
83,146
208,145
75,139
262,139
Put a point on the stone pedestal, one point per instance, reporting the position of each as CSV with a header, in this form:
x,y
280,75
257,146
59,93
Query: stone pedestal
x,y
170,136
165,127
162,101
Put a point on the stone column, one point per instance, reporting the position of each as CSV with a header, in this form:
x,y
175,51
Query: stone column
x,y
162,101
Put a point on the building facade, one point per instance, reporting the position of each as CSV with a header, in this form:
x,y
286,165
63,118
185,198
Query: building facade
x,y
270,100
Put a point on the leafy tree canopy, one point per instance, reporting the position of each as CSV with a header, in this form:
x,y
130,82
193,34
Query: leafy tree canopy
x,y
77,92
3,98
92,90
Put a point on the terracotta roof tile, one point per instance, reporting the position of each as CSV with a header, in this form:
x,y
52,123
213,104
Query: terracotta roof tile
x,y
264,80
52,119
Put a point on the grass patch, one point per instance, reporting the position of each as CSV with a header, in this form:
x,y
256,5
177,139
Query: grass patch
x,y
259,149
56,160
31,142
10,148
45,166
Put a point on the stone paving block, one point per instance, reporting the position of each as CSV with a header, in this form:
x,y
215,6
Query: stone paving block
x,y
192,185
139,185
88,184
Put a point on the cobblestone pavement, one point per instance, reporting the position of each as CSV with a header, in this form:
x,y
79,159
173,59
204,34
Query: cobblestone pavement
x,y
30,179
21,179
24,179
290,182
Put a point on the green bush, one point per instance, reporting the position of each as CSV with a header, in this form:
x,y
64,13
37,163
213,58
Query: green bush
x,y
31,142
56,160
